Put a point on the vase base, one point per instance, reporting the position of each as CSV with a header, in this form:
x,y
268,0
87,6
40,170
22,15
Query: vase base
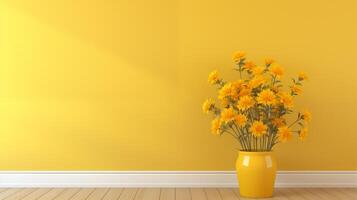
x,y
256,196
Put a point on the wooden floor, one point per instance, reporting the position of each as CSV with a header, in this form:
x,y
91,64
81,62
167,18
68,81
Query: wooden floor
x,y
168,194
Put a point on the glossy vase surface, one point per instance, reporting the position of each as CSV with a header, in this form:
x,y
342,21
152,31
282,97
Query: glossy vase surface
x,y
256,173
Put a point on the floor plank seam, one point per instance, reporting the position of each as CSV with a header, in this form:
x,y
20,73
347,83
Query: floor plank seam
x,y
136,193
24,196
44,194
121,192
58,194
105,194
75,194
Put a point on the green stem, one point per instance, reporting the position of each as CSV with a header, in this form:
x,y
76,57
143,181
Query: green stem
x,y
232,134
273,142
239,134
298,119
273,81
256,143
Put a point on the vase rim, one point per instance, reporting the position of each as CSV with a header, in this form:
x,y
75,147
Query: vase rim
x,y
255,152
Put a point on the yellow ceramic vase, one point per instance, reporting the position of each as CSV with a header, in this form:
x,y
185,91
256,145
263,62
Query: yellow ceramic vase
x,y
256,174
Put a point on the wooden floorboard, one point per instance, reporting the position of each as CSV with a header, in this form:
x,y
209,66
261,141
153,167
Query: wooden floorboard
x,y
198,194
20,194
128,194
167,194
53,193
67,194
148,194
98,194
212,194
227,194
171,194
350,192
113,194
9,193
183,194
38,193
83,194
278,195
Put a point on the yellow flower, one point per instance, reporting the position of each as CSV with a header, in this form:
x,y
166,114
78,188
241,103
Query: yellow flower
x,y
258,70
216,126
302,76
227,115
256,81
224,102
296,89
238,55
236,88
245,91
213,77
266,97
277,70
207,105
303,134
306,115
249,65
258,128
286,99
278,122
275,89
269,61
241,120
237,85
225,91
284,134
245,102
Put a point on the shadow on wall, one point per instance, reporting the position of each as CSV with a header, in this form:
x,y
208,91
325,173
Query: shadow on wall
x,y
147,41
80,84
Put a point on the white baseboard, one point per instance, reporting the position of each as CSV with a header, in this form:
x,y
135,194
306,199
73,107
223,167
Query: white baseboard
x,y
168,179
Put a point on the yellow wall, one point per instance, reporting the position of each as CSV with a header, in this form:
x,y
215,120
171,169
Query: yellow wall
x,y
118,85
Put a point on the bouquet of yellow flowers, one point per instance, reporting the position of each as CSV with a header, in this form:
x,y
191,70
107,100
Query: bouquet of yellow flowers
x,y
254,108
